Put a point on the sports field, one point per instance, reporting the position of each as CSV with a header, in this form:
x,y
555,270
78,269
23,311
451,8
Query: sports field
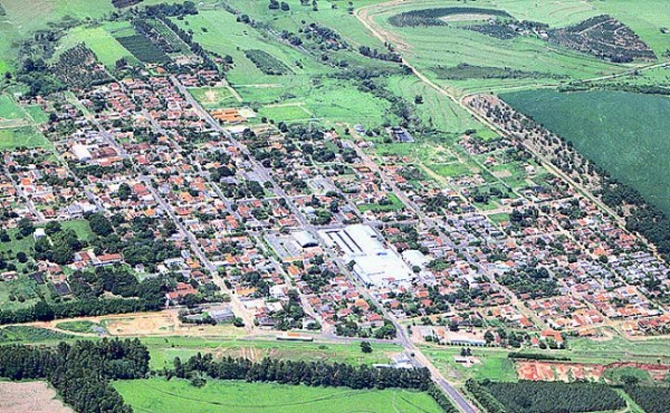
x,y
159,395
624,133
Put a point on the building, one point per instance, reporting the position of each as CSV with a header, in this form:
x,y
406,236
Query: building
x,y
304,239
374,264
81,152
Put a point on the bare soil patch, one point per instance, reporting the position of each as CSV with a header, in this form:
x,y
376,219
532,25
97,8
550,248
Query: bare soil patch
x,y
34,397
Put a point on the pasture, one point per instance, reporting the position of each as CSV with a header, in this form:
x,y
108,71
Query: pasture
x,y
624,133
159,395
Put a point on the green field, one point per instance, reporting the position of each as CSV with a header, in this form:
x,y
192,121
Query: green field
x,y
159,395
30,334
285,113
164,349
213,97
624,133
99,40
83,326
494,364
431,49
9,109
25,136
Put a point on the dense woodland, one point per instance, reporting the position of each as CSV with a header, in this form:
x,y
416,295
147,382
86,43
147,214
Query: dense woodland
x,y
651,399
545,397
80,372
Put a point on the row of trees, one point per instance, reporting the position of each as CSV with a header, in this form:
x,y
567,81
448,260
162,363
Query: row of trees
x,y
301,372
80,372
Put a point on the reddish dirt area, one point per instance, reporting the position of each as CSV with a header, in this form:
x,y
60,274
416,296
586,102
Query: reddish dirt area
x,y
557,371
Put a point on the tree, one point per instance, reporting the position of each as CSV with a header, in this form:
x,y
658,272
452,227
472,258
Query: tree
x,y
366,347
285,6
25,227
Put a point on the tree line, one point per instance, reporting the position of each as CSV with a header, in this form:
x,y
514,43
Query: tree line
x,y
80,372
309,374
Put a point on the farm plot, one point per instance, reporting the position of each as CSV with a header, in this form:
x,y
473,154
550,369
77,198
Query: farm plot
x,y
143,49
159,395
267,63
624,133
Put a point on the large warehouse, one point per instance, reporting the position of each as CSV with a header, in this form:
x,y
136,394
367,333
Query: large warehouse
x,y
374,263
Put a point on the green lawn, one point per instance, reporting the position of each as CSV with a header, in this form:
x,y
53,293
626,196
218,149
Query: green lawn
x,y
624,133
494,364
159,395
81,227
395,205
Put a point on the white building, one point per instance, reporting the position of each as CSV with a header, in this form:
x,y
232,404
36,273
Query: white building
x,y
373,263
81,152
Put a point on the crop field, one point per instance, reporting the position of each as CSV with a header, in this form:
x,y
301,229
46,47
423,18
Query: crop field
x,y
143,49
159,395
608,128
436,110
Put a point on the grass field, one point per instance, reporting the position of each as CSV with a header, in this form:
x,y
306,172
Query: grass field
x,y
83,326
165,349
99,40
624,133
159,395
25,136
430,48
495,364
30,334
213,97
288,112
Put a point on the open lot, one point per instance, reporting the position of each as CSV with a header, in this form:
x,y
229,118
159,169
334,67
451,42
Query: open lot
x,y
158,395
36,396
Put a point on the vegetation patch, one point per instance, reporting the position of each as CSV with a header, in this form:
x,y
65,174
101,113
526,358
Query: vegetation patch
x,y
159,395
11,334
82,326
25,136
605,37
434,17
550,397
143,49
623,133
267,63
465,71
651,399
